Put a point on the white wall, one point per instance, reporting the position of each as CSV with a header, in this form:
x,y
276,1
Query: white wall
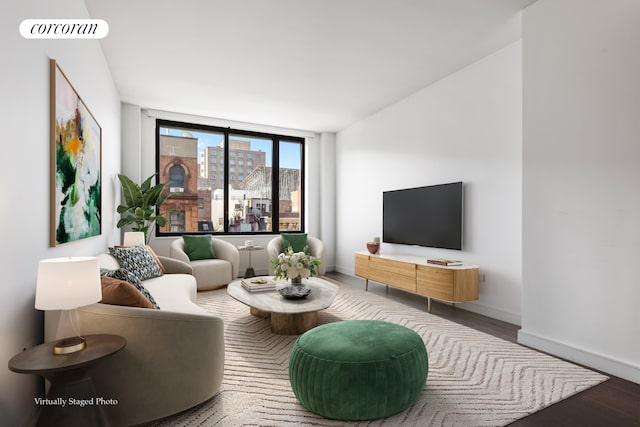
x,y
466,127
327,179
25,176
581,181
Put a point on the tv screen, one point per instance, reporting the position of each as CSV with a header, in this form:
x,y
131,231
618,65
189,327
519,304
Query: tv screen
x,y
425,216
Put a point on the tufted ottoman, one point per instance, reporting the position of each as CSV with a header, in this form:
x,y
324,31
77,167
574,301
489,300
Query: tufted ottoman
x,y
358,369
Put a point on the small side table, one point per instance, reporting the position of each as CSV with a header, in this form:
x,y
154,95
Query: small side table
x,y
250,272
72,399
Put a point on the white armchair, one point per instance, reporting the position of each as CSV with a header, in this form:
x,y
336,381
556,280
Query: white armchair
x,y
315,245
210,273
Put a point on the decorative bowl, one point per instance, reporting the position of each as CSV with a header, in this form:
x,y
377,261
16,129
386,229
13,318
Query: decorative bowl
x,y
373,247
294,292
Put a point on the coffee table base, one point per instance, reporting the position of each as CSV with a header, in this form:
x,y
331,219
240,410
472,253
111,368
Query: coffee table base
x,y
288,323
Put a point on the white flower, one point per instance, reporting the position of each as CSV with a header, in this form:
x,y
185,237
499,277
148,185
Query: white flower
x,y
290,265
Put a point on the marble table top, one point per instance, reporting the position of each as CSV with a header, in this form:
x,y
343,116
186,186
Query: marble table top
x,y
321,297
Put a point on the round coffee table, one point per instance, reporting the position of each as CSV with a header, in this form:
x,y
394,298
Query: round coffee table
x,y
288,316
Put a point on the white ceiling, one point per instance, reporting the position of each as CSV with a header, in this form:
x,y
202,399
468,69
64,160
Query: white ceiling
x,y
316,65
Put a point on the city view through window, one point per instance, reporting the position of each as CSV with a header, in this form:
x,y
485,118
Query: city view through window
x,y
222,181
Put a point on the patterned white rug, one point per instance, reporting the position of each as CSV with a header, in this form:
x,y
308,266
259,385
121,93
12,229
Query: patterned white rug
x,y
474,379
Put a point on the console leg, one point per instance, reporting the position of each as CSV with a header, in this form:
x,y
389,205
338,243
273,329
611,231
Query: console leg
x,y
428,305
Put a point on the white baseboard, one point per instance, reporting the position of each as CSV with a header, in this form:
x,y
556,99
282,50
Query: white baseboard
x,y
622,369
494,313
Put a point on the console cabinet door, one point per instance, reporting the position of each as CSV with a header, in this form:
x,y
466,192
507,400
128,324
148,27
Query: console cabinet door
x,y
393,273
448,284
435,282
362,266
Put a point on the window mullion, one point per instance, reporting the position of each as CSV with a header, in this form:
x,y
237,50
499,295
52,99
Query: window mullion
x,y
275,186
227,193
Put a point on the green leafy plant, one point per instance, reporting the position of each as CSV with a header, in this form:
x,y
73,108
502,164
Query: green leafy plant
x,y
141,202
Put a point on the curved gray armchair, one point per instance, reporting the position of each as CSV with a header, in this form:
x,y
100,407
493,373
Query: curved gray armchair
x,y
315,245
211,273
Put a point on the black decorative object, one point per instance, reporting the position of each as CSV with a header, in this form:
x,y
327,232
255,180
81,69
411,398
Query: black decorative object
x,y
294,292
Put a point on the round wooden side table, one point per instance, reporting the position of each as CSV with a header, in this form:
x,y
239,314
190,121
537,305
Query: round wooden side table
x,y
72,399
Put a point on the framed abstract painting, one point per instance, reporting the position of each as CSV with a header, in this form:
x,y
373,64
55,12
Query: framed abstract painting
x,y
76,156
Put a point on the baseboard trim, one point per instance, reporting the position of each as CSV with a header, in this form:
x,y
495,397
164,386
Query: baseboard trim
x,y
618,368
494,313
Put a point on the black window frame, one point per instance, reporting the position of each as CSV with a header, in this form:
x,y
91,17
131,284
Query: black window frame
x,y
228,132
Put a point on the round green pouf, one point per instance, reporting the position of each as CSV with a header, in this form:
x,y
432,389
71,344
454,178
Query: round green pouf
x,y
358,369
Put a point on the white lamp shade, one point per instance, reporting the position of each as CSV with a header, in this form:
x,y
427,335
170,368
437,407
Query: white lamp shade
x,y
67,283
133,238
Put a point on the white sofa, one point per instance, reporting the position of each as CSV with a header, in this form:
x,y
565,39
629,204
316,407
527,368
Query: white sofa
x,y
174,357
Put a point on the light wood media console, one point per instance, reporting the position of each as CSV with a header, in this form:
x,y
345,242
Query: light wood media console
x,y
412,273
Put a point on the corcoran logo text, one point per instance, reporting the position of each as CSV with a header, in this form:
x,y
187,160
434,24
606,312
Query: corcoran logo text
x,y
64,28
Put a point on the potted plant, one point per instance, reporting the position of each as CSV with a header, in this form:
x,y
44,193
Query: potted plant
x,y
141,202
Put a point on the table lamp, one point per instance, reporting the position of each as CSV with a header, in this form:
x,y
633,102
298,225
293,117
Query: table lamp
x,y
133,238
66,284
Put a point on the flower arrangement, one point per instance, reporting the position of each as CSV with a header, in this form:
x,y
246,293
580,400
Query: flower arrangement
x,y
294,265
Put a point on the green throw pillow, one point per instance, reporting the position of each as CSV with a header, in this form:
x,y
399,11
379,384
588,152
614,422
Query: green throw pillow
x,y
198,247
297,241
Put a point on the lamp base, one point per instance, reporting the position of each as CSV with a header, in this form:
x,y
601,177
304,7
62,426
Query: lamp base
x,y
69,345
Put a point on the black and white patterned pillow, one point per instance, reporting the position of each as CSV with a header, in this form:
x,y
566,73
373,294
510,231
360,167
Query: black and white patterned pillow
x,y
127,276
137,260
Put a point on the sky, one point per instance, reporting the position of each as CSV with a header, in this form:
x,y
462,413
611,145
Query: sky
x,y
289,152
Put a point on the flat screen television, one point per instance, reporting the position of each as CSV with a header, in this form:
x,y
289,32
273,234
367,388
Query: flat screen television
x,y
425,216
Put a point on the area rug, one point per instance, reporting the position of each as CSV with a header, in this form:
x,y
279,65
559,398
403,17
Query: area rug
x,y
474,379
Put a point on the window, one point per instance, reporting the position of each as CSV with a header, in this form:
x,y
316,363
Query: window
x,y
176,220
267,197
176,179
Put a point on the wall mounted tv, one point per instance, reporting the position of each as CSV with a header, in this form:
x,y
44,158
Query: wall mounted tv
x,y
424,216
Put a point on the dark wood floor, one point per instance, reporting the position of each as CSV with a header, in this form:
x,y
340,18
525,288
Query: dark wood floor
x,y
614,403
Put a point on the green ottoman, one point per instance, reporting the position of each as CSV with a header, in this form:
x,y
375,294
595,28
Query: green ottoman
x,y
358,369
